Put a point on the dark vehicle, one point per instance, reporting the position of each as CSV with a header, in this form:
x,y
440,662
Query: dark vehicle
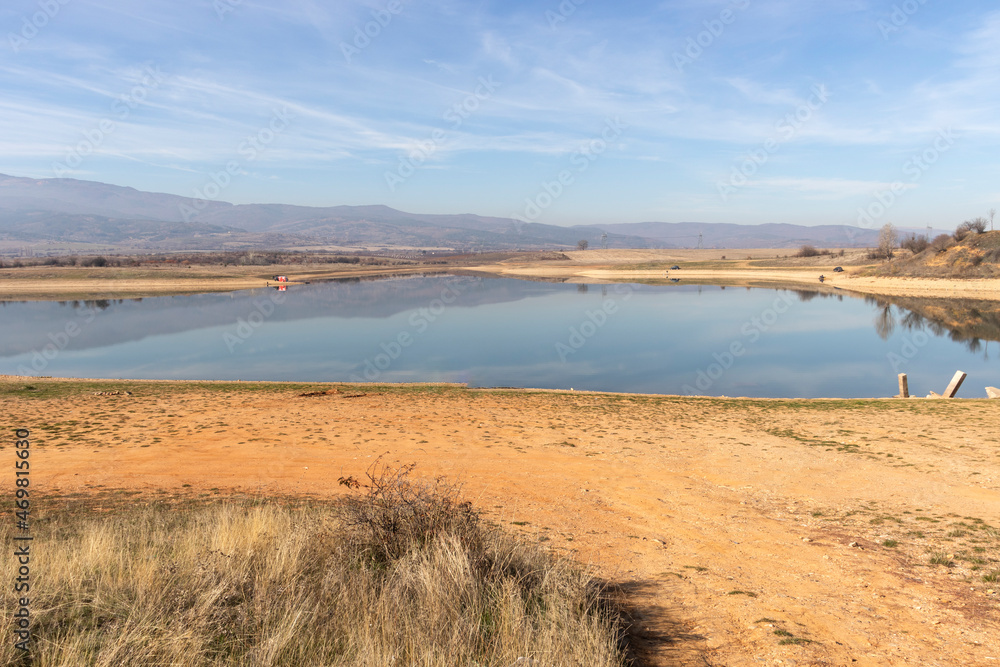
x,y
839,269
675,268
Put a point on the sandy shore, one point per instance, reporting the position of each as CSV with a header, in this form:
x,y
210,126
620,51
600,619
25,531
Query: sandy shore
x,y
727,520
52,284
591,266
618,266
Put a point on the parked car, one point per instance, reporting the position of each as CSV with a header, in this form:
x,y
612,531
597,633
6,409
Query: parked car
x,y
675,268
838,269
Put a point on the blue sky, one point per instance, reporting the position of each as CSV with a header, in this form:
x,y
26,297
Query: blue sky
x,y
746,111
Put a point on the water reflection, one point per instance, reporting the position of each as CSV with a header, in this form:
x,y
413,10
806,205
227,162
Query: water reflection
x,y
489,331
967,321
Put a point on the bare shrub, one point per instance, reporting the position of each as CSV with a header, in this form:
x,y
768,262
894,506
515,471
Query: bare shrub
x,y
398,514
941,242
807,251
975,226
915,244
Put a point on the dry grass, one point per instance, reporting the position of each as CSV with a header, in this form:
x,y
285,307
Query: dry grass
x,y
974,256
403,575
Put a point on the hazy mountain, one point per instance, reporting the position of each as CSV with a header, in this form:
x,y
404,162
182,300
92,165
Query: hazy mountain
x,y
724,235
69,210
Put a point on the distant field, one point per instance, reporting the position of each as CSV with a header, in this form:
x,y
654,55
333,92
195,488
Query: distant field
x,y
181,274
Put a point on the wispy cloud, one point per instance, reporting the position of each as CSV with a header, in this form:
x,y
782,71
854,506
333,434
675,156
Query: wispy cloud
x,y
558,84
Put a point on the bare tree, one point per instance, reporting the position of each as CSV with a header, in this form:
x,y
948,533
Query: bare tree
x,y
993,212
582,244
888,241
978,226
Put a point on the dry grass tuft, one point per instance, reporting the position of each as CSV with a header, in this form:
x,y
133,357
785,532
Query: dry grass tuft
x,y
402,575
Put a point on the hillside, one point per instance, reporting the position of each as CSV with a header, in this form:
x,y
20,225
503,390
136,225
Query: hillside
x,y
975,256
47,212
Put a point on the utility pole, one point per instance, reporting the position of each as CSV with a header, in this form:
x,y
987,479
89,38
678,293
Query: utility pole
x,y
993,212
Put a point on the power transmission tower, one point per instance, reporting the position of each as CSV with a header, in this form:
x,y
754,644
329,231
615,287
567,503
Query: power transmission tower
x,y
604,240
700,245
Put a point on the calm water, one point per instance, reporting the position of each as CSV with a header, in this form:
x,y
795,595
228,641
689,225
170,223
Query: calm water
x,y
497,332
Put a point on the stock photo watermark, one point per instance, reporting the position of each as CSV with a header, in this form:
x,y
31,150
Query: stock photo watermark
x,y
915,167
908,350
249,149
899,17
223,7
420,321
751,330
58,341
22,542
786,130
30,27
246,327
565,9
364,34
121,109
714,28
581,159
455,116
592,323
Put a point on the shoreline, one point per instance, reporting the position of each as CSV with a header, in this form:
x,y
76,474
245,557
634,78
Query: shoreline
x,y
591,266
725,518
932,288
417,387
983,289
30,289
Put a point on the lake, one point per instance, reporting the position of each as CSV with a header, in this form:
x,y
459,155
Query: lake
x,y
487,332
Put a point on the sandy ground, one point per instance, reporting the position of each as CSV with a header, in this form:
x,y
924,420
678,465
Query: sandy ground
x,y
38,283
621,266
734,524
591,266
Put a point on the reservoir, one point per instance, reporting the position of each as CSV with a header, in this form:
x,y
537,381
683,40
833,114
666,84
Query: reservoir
x,y
673,338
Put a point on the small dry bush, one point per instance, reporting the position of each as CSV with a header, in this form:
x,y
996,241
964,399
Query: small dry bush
x,y
915,244
810,251
976,226
404,574
941,242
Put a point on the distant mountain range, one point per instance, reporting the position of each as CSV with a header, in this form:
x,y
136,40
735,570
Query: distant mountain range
x,y
47,212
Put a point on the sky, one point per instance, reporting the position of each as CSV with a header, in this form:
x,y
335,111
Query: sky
x,y
565,112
